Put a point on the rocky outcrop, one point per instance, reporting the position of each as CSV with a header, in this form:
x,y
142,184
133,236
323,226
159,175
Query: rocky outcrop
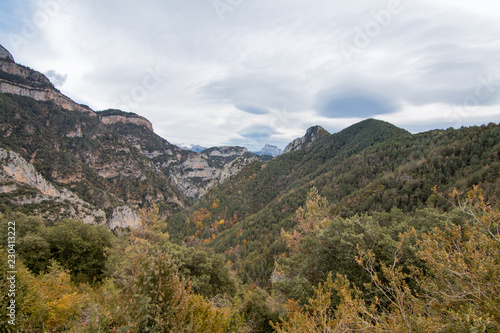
x,y
43,95
124,217
23,81
17,174
200,178
231,169
25,186
224,151
5,55
198,173
25,75
113,119
312,135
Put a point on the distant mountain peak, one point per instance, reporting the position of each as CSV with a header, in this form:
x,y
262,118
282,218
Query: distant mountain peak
x,y
312,135
191,147
270,150
5,54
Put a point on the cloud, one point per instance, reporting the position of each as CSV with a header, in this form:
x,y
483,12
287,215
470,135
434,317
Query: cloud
x,y
354,103
273,91
252,108
257,132
276,62
56,78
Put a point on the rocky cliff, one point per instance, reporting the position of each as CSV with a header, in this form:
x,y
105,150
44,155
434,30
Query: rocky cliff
x,y
198,173
22,185
110,117
20,80
193,174
312,135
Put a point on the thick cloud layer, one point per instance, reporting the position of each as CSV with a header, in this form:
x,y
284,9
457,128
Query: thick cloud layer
x,y
247,72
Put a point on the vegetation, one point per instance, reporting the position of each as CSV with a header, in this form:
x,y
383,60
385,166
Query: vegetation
x,y
77,151
243,219
456,289
348,234
425,271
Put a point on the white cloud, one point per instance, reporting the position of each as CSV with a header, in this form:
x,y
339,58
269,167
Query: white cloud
x,y
206,77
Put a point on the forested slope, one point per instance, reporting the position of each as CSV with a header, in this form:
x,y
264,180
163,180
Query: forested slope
x,y
369,167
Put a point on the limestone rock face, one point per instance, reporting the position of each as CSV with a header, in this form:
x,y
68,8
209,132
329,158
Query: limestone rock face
x,y
197,173
229,170
109,120
225,151
43,95
5,55
24,81
124,217
23,185
312,135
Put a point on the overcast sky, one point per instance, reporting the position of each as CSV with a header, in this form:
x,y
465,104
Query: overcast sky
x,y
250,72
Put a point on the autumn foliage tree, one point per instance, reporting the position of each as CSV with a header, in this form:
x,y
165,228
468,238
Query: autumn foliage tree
x,y
456,290
155,299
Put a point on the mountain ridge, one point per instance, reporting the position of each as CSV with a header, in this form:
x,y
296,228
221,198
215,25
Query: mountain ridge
x,y
111,159
371,166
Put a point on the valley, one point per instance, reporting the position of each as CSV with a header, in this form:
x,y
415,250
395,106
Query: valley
x,y
119,230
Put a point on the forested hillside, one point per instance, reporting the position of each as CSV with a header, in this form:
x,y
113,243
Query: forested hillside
x,y
369,167
355,232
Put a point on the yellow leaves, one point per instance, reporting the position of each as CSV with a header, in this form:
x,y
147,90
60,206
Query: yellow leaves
x,y
464,262
199,216
319,315
216,204
52,301
455,288
152,226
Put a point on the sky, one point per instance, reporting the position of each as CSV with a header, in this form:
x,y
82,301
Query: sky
x,y
255,72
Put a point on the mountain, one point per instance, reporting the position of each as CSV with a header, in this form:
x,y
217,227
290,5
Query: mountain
x,y
371,166
195,148
111,161
312,135
249,237
270,150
